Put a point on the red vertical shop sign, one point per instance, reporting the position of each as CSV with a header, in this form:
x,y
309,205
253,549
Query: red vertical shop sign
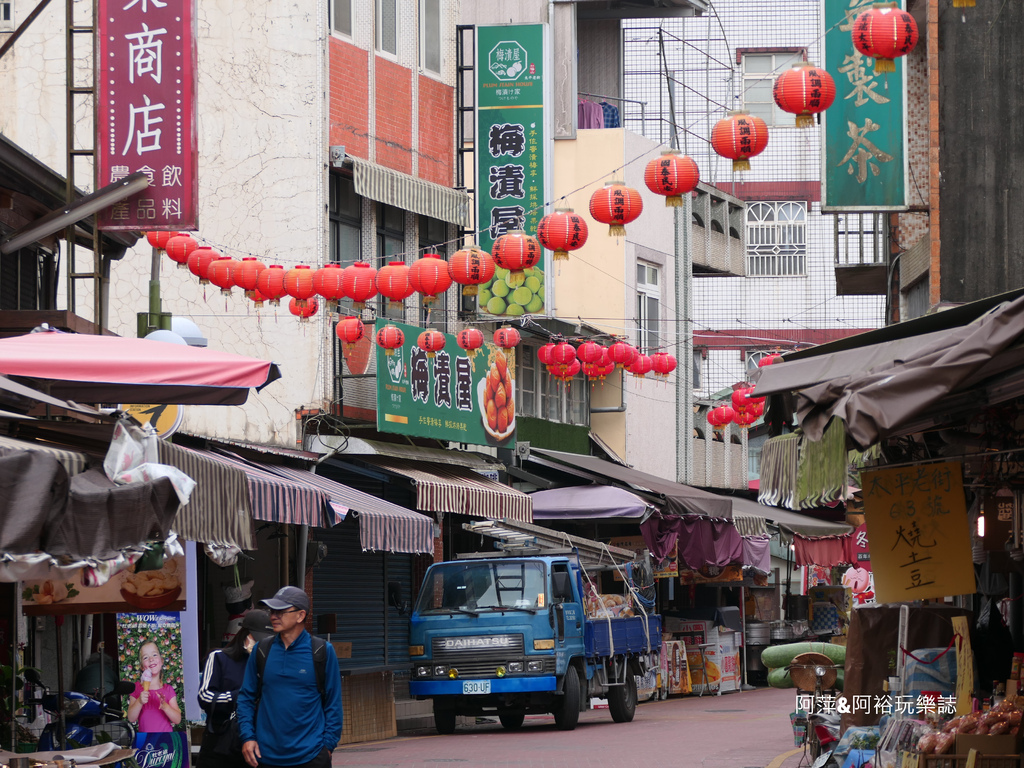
x,y
146,108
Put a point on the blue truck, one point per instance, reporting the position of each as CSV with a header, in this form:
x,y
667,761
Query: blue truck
x,y
508,634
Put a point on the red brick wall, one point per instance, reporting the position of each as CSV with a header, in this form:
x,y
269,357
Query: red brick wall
x,y
349,106
394,116
437,128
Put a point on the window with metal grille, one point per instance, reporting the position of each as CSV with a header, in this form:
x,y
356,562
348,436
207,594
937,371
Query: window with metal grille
x,y
648,297
860,239
345,208
387,26
430,35
341,16
776,239
760,71
541,395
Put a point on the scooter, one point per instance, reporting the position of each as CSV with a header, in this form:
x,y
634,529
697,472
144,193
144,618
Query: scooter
x,y
87,721
826,731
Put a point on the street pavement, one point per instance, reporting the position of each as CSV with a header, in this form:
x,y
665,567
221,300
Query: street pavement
x,y
747,729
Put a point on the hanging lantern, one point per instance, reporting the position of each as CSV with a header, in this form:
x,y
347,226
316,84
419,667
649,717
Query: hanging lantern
x,y
673,175
663,364
771,359
804,91
561,232
616,205
159,239
429,277
720,417
199,263
350,331
739,137
390,338
566,373
221,274
745,419
641,366
470,339
622,354
431,342
592,371
298,283
884,34
270,283
246,272
358,283
327,282
471,267
757,406
392,282
544,353
303,308
604,364
179,248
507,337
257,297
562,356
741,399
516,251
589,352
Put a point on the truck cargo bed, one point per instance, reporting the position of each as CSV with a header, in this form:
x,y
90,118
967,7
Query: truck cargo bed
x,y
626,635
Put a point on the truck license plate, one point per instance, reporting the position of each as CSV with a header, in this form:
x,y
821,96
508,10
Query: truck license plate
x,y
476,686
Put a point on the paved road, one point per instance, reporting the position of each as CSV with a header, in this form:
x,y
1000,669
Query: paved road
x,y
747,729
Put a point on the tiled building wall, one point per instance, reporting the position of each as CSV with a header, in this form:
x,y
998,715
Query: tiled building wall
x,y
349,108
711,78
368,707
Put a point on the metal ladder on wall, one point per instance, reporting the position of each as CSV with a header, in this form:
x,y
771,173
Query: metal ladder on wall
x,y
516,538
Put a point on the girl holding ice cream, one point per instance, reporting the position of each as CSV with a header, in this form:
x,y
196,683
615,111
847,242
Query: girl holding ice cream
x,y
153,704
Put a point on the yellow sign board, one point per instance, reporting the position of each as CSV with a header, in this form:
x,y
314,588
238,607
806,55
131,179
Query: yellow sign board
x,y
917,526
164,418
964,665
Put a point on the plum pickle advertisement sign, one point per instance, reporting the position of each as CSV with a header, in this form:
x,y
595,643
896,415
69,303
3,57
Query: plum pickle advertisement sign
x,y
146,108
451,396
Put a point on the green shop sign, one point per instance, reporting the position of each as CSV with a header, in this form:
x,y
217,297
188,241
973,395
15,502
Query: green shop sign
x,y
511,144
450,396
865,163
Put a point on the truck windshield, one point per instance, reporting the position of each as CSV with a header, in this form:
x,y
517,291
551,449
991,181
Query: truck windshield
x,y
476,586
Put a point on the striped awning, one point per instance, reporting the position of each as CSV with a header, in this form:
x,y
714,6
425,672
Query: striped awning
x,y
72,461
410,193
458,490
383,526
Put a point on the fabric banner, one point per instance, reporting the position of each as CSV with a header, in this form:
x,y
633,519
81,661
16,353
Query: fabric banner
x,y
700,541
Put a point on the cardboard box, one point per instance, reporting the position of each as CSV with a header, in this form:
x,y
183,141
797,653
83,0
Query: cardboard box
x,y
343,650
1012,687
1005,744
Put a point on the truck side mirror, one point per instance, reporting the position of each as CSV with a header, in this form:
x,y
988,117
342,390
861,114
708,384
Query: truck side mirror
x,y
395,598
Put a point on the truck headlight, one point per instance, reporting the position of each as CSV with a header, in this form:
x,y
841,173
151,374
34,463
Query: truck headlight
x,y
535,666
415,650
440,671
515,666
422,671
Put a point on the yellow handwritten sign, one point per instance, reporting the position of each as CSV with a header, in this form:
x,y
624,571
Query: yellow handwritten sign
x,y
964,665
917,526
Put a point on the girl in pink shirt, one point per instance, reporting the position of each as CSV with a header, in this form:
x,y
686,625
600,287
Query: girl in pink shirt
x,y
153,705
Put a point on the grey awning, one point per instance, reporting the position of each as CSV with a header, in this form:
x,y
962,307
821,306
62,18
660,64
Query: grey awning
x,y
410,193
747,513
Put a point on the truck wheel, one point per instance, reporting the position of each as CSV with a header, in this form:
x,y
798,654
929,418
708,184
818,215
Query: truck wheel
x,y
444,719
567,714
622,700
511,721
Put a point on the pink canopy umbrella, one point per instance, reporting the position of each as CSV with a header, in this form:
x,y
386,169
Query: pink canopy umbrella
x,y
111,369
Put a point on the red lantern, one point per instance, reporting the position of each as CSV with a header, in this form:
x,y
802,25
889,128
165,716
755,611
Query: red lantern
x,y
592,371
390,338
350,331
303,308
739,137
392,282
805,90
358,283
179,248
589,352
327,282
471,267
298,283
561,232
159,239
720,417
199,263
257,297
470,339
431,342
672,175
516,251
884,34
616,205
221,274
745,419
544,354
622,354
246,272
270,283
641,366
429,277
741,399
506,337
771,359
562,356
663,364
567,372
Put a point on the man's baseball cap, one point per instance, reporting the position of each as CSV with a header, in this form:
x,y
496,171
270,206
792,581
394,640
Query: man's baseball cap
x,y
258,624
288,597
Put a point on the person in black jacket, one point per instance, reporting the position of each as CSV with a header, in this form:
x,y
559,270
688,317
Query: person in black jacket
x,y
218,690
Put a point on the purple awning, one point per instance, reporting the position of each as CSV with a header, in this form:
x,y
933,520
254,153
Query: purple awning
x,y
701,541
588,502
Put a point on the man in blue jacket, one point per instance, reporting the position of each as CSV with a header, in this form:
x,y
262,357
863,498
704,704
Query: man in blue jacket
x,y
288,719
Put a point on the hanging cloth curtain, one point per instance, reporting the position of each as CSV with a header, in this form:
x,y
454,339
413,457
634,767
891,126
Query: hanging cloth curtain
x,y
757,553
826,551
702,541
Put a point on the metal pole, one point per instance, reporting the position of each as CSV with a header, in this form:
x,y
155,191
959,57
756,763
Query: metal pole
x,y
61,724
